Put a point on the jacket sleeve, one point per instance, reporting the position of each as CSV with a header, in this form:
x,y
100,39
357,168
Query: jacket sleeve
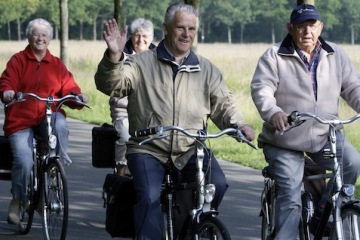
x,y
350,87
108,75
9,79
264,85
224,109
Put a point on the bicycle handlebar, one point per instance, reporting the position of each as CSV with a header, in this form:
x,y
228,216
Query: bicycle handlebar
x,y
201,134
298,117
20,97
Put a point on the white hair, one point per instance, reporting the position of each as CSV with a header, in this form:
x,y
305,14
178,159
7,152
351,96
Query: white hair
x,y
141,23
39,22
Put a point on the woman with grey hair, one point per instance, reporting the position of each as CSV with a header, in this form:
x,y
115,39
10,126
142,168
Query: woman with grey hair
x,y
37,71
39,22
142,33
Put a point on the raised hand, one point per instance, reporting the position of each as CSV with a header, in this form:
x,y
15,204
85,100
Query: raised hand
x,y
114,39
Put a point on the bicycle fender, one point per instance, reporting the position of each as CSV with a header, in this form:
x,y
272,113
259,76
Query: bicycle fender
x,y
351,203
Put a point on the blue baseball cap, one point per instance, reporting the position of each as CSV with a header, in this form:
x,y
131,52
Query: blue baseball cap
x,y
304,12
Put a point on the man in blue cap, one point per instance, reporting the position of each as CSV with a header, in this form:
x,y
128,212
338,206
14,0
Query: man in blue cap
x,y
308,74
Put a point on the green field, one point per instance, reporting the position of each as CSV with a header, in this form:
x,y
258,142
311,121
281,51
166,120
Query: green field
x,y
236,61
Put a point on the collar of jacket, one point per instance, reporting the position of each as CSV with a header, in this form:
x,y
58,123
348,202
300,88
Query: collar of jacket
x,y
287,47
30,55
128,49
191,63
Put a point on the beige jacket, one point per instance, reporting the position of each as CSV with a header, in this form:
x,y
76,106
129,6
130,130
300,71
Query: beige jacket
x,y
282,83
163,93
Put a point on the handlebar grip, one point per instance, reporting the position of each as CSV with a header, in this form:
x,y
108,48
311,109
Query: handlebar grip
x,y
146,132
292,117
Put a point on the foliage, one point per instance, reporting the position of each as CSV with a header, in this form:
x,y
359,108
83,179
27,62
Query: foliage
x,y
220,20
147,9
49,9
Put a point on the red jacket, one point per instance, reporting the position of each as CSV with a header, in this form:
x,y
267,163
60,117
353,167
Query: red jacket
x,y
24,73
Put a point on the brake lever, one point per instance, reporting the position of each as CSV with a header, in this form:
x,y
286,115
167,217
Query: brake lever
x,y
19,98
240,135
294,124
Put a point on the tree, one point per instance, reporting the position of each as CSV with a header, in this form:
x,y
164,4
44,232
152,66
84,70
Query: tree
x,y
79,14
152,10
102,10
49,10
244,14
10,15
353,17
275,13
19,11
64,30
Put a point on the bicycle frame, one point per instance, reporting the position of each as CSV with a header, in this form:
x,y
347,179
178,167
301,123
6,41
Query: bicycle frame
x,y
205,192
340,192
48,188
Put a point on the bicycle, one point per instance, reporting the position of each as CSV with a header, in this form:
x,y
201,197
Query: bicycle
x,y
202,221
47,190
341,205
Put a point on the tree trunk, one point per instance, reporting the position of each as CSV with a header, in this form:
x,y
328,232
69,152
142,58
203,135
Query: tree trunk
x,y
18,28
229,34
64,31
94,28
56,30
202,32
242,27
272,33
118,12
352,34
81,37
9,30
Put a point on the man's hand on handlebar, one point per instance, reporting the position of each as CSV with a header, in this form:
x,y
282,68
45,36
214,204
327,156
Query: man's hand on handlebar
x,y
280,121
248,132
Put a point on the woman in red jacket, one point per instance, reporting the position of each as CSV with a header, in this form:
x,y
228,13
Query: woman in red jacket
x,y
37,71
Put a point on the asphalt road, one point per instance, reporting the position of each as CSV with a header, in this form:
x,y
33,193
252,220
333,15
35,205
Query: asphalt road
x,y
239,209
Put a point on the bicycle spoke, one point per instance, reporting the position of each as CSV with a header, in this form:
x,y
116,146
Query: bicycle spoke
x,y
56,208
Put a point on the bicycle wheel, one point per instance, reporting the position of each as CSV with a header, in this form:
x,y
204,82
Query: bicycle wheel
x,y
211,227
27,209
55,199
350,215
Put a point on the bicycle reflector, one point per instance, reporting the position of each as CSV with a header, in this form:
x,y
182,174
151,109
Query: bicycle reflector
x,y
209,192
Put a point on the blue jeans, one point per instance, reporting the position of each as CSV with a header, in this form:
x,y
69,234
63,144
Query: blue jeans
x,y
148,174
21,143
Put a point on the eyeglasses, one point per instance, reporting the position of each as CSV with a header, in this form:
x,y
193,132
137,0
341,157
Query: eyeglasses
x,y
39,35
304,26
144,36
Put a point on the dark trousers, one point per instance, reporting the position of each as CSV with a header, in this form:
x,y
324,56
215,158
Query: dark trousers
x,y
148,174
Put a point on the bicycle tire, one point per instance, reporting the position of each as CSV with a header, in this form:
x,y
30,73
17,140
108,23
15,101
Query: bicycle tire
x,y
27,210
267,225
267,215
268,211
211,227
55,199
350,215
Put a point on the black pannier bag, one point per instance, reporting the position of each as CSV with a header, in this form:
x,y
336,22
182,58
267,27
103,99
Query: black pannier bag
x,y
119,200
6,159
103,146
